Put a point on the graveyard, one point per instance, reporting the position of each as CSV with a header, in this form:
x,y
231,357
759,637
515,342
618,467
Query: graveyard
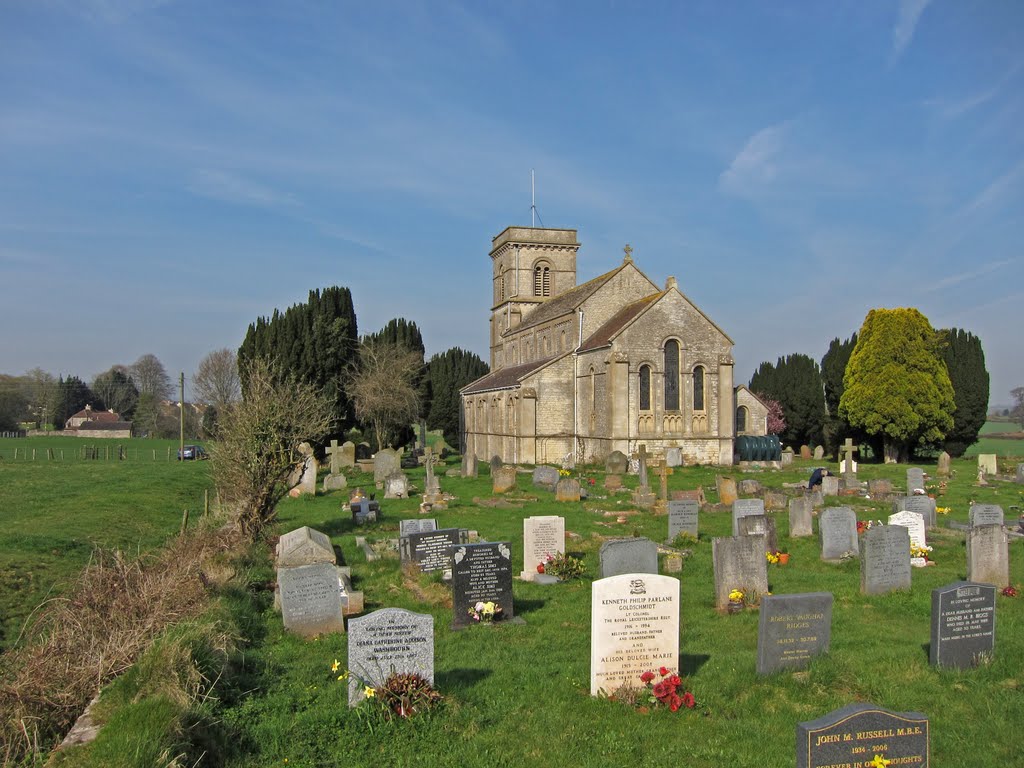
x,y
848,622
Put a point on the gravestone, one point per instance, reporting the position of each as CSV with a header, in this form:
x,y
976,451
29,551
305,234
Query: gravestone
x,y
567,489
643,497
987,463
674,457
914,523
963,624
884,560
304,546
396,485
310,599
742,508
830,485
800,518
697,494
749,487
304,476
774,500
619,556
616,463
805,452
726,487
864,735
1020,474
546,478
817,500
613,482
988,558
385,642
848,465
418,525
760,525
543,535
481,573
469,465
503,479
496,462
787,457
364,452
682,518
336,482
385,462
985,514
879,487
838,529
915,480
793,629
739,563
819,453
334,456
923,505
431,486
430,550
942,467
365,511
348,455
634,627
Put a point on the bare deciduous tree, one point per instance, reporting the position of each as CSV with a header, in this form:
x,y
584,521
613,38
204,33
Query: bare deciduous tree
x,y
215,381
151,377
383,388
259,440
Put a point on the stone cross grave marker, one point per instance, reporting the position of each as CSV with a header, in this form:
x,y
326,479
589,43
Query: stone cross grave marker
x,y
985,514
304,546
885,560
742,508
481,573
543,535
864,735
365,510
334,455
433,488
310,599
663,473
988,557
418,525
849,469
800,518
619,556
915,480
793,629
643,468
634,627
963,624
739,563
385,642
838,528
914,523
430,550
682,518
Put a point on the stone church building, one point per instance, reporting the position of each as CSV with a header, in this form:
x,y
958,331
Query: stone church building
x,y
579,371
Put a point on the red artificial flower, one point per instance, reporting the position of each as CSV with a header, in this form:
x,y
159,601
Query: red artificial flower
x,y
689,701
675,680
646,677
674,705
663,671
663,691
540,567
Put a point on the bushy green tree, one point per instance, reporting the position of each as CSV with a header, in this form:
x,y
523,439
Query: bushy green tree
x,y
896,383
315,342
795,382
447,373
965,362
72,396
13,402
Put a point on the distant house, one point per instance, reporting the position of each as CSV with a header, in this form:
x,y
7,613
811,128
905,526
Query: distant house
x,y
99,424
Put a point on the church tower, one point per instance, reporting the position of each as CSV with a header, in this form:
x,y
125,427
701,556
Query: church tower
x,y
530,265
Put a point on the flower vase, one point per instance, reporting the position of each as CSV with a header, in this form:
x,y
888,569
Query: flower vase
x,y
783,558
734,606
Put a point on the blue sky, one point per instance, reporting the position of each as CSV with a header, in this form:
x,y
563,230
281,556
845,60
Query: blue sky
x,y
171,170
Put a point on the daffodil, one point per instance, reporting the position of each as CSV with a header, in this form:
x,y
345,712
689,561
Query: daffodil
x,y
335,665
369,691
879,762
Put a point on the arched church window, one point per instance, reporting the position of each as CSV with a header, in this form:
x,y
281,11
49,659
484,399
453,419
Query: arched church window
x,y
698,388
542,279
501,285
671,375
741,419
645,387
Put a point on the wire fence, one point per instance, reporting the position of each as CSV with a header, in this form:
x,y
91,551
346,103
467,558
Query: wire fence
x,y
86,453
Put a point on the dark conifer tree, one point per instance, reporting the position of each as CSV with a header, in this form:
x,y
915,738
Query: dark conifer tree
x,y
965,361
447,373
833,368
795,382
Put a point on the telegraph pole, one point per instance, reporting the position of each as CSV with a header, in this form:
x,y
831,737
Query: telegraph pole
x,y
181,419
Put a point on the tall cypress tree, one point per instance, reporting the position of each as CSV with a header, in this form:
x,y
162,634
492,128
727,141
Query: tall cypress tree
x,y
795,382
965,361
833,368
405,333
448,372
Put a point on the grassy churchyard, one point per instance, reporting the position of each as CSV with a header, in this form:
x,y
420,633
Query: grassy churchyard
x,y
516,695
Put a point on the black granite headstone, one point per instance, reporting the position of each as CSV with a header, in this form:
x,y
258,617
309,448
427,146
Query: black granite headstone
x,y
858,733
431,550
963,624
481,573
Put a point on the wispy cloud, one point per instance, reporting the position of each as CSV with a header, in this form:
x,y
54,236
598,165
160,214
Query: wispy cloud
x,y
987,269
903,32
994,193
232,188
757,163
952,108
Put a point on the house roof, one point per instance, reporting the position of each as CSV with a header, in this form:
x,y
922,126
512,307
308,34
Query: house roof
x,y
101,416
104,426
750,392
603,335
564,303
505,378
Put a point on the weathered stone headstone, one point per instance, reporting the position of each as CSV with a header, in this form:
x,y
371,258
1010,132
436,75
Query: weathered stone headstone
x,y
304,476
987,463
819,453
963,624
817,499
643,497
879,487
543,535
310,599
787,457
739,563
418,525
616,463
304,546
481,573
805,452
674,457
727,492
546,478
682,518
760,525
335,482
347,457
915,480
942,467
749,487
884,560
634,627
988,558
742,508
800,518
618,556
985,514
697,494
793,629
923,505
838,528
385,462
567,489
496,462
396,485
858,733
1020,473
430,550
388,641
503,479
774,500
830,485
613,482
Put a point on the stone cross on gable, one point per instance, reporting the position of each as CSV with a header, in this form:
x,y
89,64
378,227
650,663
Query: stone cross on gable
x,y
848,449
628,250
334,452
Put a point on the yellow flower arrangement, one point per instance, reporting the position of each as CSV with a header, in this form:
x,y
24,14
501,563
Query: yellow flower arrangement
x,y
736,596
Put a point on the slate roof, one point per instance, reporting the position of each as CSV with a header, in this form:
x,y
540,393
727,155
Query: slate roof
x,y
602,336
564,303
505,378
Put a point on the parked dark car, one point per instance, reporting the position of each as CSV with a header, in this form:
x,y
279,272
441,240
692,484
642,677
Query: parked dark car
x,y
190,452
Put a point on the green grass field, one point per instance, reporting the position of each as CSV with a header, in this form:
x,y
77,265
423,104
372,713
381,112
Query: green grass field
x,y
519,695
